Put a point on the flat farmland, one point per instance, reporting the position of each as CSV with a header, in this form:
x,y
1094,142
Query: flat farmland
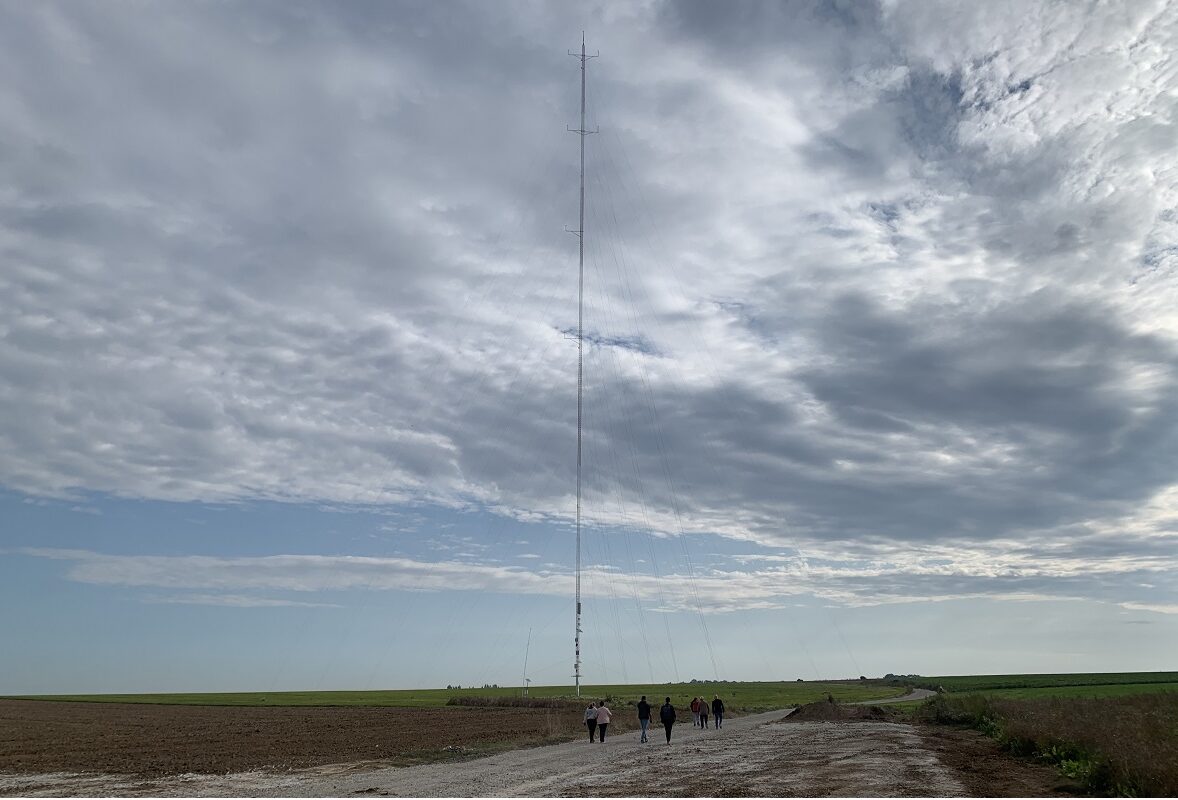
x,y
259,752
153,740
747,696
988,683
157,734
1096,690
328,743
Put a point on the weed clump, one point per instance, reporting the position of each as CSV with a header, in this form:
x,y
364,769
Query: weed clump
x,y
1126,746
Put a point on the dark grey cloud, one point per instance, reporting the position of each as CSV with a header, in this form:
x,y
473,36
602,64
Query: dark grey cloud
x,y
836,34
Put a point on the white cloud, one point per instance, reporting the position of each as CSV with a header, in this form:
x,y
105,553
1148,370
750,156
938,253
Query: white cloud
x,y
896,577
900,275
234,601
1165,608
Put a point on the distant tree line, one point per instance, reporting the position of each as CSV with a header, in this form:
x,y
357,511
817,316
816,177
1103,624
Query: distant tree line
x,y
484,686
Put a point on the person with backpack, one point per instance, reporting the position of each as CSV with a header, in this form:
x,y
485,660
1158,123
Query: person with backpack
x,y
667,717
591,720
603,716
643,717
718,711
703,714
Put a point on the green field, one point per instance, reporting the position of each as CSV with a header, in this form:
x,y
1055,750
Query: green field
x,y
974,683
1087,691
1032,686
743,696
1093,690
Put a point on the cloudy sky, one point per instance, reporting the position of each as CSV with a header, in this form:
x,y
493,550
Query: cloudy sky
x,y
881,359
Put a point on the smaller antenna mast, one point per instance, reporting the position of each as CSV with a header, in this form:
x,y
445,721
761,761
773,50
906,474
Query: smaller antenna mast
x,y
527,649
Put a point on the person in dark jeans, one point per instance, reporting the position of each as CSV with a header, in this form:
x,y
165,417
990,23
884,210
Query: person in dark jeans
x,y
667,717
643,717
718,711
591,720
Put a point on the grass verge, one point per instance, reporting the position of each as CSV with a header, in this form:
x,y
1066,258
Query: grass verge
x,y
1122,746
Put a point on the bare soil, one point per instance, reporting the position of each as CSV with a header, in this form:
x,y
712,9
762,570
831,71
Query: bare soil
x,y
82,749
986,771
155,740
835,712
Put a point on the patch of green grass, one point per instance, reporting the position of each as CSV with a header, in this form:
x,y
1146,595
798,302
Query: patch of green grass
x,y
908,706
973,683
737,696
1092,691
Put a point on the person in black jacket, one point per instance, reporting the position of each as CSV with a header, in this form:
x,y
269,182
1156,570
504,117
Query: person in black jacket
x,y
667,717
718,712
643,717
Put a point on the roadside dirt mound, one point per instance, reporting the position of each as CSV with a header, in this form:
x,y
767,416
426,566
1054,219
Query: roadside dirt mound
x,y
826,711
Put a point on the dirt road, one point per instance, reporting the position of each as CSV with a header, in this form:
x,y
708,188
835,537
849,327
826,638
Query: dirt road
x,y
754,755
915,694
750,757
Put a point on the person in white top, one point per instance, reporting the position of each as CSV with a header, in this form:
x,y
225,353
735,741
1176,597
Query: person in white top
x,y
591,720
603,716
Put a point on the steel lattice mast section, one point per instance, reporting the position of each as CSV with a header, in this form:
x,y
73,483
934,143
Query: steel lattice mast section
x,y
580,234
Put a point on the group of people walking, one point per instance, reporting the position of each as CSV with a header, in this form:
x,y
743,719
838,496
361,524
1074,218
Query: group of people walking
x,y
598,716
699,712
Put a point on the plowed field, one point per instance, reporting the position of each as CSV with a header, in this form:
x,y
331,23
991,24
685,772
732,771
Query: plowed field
x,y
41,736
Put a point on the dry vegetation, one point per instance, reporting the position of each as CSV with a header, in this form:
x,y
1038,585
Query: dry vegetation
x,y
1124,746
564,718
517,702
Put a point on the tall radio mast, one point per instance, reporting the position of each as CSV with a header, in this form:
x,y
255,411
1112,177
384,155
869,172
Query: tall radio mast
x,y
580,234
